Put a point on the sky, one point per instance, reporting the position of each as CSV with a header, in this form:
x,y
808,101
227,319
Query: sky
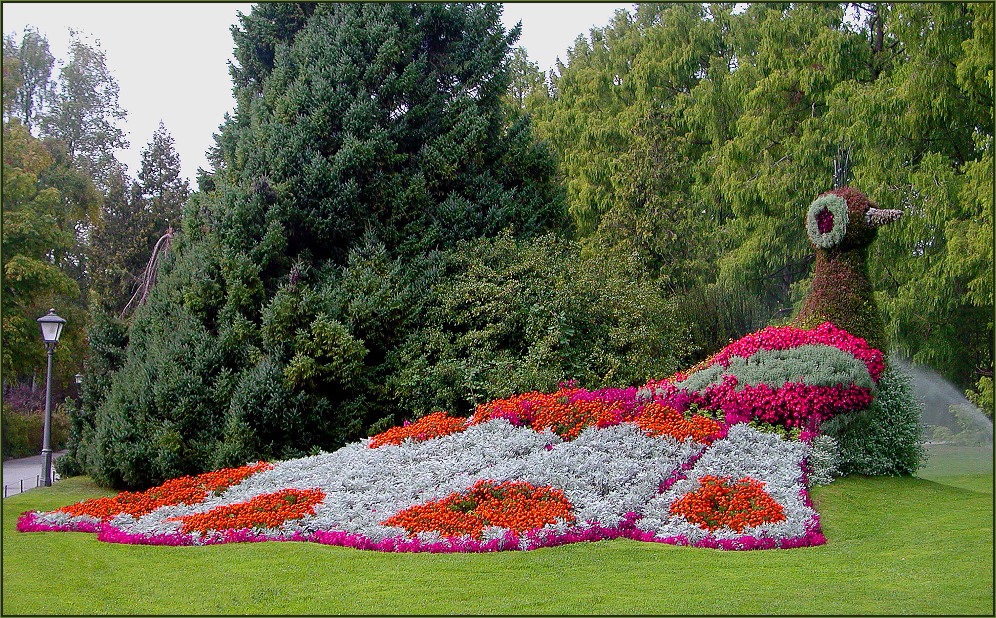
x,y
171,59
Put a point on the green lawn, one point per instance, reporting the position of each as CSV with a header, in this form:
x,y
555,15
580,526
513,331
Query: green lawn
x,y
896,546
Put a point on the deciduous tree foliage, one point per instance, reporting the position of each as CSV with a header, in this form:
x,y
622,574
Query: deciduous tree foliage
x,y
32,279
733,120
527,80
33,72
85,111
46,209
67,243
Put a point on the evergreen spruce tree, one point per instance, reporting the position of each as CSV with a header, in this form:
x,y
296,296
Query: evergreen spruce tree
x,y
379,117
366,136
159,183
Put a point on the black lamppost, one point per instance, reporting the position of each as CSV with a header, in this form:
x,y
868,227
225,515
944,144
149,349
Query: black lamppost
x,y
51,328
79,387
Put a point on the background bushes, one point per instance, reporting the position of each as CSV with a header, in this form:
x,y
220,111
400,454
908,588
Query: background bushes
x,y
507,316
22,430
372,242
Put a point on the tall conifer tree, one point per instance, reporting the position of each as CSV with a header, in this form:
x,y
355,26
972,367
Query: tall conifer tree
x,y
366,137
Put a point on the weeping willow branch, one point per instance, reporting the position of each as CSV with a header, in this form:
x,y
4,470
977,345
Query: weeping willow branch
x,y
149,275
841,166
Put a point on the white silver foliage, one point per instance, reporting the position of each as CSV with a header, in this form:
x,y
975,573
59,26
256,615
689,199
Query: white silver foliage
x,y
605,473
746,452
824,460
812,364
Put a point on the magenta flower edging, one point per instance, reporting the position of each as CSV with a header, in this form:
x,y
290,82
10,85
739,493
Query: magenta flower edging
x,y
680,473
511,541
29,522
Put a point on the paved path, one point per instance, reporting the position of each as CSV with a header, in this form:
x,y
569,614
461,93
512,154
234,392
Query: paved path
x,y
24,473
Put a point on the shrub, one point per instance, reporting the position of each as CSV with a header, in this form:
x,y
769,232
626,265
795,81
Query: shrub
x,y
885,438
263,420
509,316
69,465
159,417
107,338
22,431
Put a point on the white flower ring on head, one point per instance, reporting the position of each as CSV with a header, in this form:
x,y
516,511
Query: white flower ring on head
x,y
826,221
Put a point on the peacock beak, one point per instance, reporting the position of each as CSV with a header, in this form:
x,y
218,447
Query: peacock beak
x,y
875,217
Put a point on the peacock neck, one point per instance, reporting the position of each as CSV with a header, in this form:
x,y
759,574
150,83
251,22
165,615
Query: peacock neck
x,y
842,293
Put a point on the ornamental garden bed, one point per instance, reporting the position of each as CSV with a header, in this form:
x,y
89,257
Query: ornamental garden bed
x,y
714,457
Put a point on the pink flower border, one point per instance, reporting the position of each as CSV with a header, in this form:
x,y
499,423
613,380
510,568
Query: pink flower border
x,y
534,539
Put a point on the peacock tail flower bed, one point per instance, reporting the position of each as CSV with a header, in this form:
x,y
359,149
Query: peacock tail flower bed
x,y
678,461
491,487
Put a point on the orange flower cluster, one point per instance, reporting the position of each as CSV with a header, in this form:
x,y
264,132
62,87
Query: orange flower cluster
x,y
429,426
658,420
516,505
564,417
182,490
263,511
718,503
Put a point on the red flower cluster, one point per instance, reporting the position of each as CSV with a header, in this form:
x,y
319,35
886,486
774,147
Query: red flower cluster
x,y
182,490
659,420
565,416
718,503
429,426
516,505
263,511
794,404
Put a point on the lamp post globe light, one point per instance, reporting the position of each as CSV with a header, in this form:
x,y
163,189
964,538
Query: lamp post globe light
x,y
51,329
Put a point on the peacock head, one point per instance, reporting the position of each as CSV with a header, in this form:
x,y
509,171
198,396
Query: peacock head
x,y
845,219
